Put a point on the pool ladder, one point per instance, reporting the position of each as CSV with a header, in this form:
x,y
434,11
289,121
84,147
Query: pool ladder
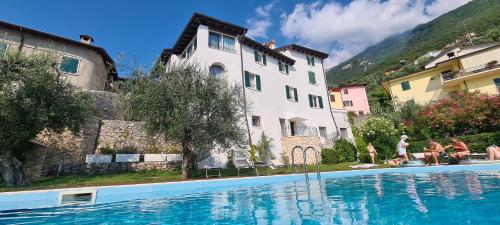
x,y
304,151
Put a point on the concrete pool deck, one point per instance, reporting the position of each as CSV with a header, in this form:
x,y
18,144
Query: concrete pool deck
x,y
108,194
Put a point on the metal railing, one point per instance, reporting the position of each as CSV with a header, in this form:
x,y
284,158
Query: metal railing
x,y
301,131
471,70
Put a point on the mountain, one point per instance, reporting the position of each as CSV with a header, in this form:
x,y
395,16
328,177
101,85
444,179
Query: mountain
x,y
481,17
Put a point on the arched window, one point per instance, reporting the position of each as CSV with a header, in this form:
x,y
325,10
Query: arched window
x,y
217,71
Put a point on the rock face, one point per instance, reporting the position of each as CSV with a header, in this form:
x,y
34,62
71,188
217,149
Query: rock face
x,y
119,135
289,143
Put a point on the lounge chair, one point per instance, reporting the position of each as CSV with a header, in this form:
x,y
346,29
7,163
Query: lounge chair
x,y
418,156
276,164
261,165
242,163
204,166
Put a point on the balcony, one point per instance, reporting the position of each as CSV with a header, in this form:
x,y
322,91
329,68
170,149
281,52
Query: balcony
x,y
301,131
452,78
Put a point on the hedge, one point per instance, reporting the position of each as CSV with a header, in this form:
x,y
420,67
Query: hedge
x,y
476,143
344,151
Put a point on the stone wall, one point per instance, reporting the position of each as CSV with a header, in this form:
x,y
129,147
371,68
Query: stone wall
x,y
104,168
108,105
119,135
288,143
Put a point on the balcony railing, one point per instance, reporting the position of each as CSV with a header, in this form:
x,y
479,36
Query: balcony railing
x,y
471,70
302,131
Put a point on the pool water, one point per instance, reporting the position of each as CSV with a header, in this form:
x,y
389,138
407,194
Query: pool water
x,y
421,198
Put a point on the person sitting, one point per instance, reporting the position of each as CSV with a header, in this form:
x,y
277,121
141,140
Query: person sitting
x,y
433,152
461,149
372,151
493,152
402,145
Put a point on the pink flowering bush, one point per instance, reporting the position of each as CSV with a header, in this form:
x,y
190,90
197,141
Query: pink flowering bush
x,y
461,114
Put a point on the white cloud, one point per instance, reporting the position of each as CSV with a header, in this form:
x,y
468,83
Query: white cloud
x,y
260,24
345,30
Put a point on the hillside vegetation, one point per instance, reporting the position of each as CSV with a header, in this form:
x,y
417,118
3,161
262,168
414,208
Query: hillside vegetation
x,y
481,17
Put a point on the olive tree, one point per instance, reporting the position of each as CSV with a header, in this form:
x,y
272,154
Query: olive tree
x,y
183,103
34,98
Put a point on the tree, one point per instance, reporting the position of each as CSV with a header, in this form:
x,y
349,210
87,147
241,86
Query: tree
x,y
185,104
33,98
263,148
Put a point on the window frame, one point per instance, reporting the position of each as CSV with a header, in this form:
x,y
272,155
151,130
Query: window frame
x,y
262,58
496,81
7,45
309,73
253,82
220,44
404,87
321,133
351,104
285,67
332,96
316,101
345,91
218,76
259,120
292,92
77,66
190,49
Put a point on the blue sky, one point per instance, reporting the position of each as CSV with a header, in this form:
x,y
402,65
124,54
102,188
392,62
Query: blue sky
x,y
141,29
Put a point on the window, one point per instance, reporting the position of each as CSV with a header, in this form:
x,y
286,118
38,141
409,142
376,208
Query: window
x,y
260,58
447,75
315,101
217,71
310,60
69,65
348,103
361,113
283,67
312,77
189,49
256,121
252,81
322,132
332,97
497,83
283,127
221,42
291,93
343,133
405,85
3,49
346,91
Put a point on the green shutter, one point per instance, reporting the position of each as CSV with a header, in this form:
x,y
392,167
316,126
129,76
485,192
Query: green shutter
x,y
311,101
257,80
308,60
256,55
286,69
287,89
312,61
264,59
320,100
280,66
296,96
247,79
312,77
69,65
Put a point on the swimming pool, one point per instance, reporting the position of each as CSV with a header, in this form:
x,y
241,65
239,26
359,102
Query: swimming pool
x,y
419,196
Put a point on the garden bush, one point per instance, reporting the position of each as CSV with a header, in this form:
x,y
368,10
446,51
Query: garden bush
x,y
477,143
344,151
382,134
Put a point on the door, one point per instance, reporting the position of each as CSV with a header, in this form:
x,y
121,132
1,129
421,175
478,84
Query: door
x,y
292,128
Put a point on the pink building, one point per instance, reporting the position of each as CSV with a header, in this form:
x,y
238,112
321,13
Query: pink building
x,y
355,99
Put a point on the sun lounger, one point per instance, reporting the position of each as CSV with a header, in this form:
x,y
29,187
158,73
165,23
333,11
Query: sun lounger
x,y
418,155
242,163
276,164
203,166
261,165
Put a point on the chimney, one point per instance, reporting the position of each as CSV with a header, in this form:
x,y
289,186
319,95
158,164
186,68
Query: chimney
x,y
271,44
87,39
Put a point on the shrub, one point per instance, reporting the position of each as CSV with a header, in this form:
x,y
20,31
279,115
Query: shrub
x,y
346,150
382,134
365,157
106,150
129,149
329,156
462,114
476,143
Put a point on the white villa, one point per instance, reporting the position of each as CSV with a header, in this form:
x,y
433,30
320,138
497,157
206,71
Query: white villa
x,y
285,86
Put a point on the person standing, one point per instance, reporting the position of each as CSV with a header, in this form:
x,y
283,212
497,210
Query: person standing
x,y
402,145
372,151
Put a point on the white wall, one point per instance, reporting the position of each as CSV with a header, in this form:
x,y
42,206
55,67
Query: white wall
x,y
270,103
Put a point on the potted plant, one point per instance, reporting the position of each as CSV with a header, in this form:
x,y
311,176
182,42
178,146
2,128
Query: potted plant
x,y
104,155
128,154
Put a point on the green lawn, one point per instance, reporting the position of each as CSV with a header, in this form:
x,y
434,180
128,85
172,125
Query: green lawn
x,y
148,177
